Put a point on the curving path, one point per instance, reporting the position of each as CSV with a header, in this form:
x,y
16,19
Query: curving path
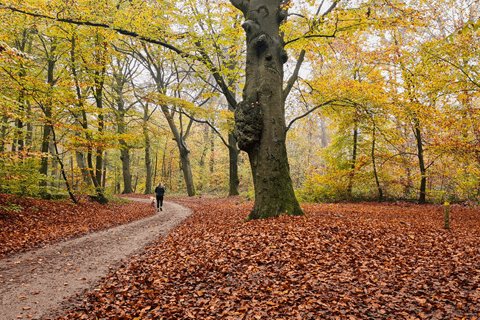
x,y
35,283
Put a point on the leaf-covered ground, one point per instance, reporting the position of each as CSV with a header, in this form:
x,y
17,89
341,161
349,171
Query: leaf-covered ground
x,y
27,223
391,261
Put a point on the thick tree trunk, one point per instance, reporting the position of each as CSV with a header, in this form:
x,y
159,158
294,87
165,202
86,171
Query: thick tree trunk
x,y
260,118
127,175
233,151
187,171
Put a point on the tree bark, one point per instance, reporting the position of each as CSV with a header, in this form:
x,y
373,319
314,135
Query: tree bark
x,y
62,167
3,133
47,127
184,152
260,118
374,164
80,158
201,163
422,198
127,175
122,130
211,163
101,127
354,160
99,82
148,156
20,134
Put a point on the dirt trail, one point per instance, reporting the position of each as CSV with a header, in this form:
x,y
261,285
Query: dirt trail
x,y
35,283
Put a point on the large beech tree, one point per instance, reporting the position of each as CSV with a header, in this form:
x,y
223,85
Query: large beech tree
x,y
260,117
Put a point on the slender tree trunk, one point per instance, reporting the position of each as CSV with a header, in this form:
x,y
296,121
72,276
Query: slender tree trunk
x,y
353,163
122,129
421,162
20,136
101,128
62,167
233,151
54,173
20,127
155,168
323,129
260,117
3,133
201,162
29,137
127,176
164,160
104,171
47,127
46,135
374,164
148,156
99,82
211,164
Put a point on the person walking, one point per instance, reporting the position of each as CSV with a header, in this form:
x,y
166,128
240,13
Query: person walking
x,y
159,193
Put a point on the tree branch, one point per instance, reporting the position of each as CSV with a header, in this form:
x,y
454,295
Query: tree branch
x,y
229,95
241,5
308,36
329,102
97,25
330,9
294,76
209,124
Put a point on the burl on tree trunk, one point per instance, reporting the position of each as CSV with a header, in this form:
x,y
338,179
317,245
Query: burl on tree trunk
x,y
260,118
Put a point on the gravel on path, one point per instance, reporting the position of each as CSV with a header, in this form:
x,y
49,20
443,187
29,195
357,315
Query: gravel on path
x,y
34,284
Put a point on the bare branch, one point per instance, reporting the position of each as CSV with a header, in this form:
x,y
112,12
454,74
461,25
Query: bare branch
x,y
209,124
229,95
307,36
294,76
330,9
329,102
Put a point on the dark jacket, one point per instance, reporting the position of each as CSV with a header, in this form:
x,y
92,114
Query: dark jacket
x,y
160,191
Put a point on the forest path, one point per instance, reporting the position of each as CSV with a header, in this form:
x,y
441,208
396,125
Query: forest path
x,y
34,284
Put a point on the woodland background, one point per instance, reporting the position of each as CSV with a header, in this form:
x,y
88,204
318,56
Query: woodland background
x,y
386,105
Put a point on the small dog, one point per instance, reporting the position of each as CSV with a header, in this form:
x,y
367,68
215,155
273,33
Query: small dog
x,y
153,202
